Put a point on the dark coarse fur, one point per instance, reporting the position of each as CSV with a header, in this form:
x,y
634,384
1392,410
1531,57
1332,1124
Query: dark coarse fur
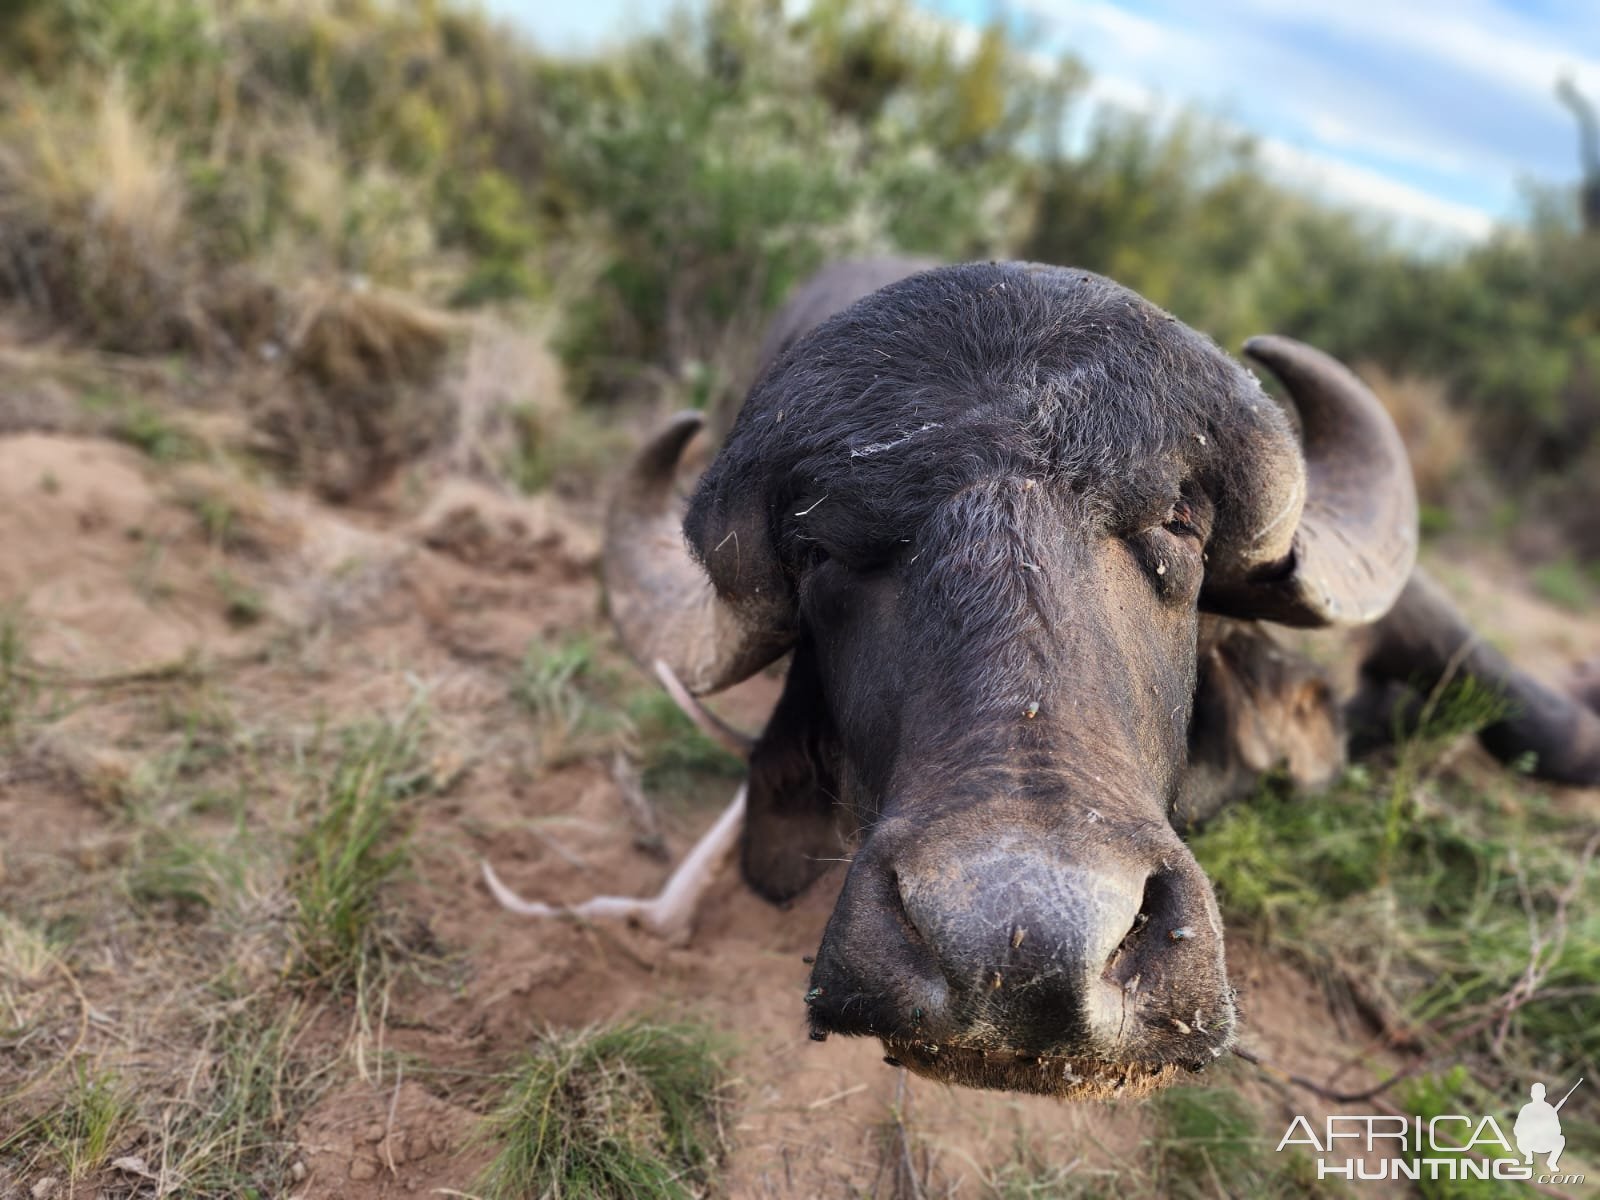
x,y
943,429
959,479
974,373
982,505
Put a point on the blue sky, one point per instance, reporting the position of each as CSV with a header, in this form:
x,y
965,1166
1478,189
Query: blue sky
x,y
1433,111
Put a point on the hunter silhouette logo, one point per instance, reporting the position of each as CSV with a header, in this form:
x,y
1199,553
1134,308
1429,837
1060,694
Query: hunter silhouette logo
x,y
1446,1146
1538,1127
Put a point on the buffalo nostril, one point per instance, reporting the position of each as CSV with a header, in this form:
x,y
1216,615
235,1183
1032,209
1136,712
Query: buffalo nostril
x,y
1159,907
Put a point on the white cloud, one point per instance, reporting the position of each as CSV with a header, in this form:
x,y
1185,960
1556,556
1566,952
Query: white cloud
x,y
1335,131
1478,38
1323,174
1135,37
1428,109
1351,184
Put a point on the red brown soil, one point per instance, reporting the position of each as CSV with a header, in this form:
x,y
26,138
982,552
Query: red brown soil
x,y
444,592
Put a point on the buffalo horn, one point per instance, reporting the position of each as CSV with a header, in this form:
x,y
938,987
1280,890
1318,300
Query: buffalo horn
x,y
1356,541
661,601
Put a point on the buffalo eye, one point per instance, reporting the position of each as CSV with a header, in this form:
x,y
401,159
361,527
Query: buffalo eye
x,y
1182,521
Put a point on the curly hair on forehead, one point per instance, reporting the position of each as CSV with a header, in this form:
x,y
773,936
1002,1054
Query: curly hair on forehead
x,y
864,427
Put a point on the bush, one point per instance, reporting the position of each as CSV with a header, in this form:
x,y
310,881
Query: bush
x,y
189,177
731,156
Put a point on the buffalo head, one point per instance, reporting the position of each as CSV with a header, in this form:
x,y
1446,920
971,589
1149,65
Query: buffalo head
x,y
984,507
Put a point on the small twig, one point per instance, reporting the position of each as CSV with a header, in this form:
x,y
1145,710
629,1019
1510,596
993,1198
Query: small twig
x,y
1554,940
734,741
1511,1001
1525,990
910,1186
827,1100
640,810
388,1125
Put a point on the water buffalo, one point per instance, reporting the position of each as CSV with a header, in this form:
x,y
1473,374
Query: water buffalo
x,y
1024,537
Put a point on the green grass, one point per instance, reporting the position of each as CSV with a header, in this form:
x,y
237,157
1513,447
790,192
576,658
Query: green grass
x,y
1028,1176
1420,888
1455,1091
29,694
139,424
229,1134
1204,1143
1436,520
236,1136
186,876
557,682
198,905
199,740
1210,1142
357,842
628,1111
148,430
220,518
672,750
18,688
587,705
1568,584
569,689
241,604
81,1130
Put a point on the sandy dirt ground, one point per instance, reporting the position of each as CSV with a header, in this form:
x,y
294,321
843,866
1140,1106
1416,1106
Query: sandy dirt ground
x,y
440,587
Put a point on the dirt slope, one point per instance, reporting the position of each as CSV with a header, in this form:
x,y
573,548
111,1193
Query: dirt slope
x,y
117,568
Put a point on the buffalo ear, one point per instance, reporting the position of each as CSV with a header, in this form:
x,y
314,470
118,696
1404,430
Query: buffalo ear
x,y
791,829
1256,710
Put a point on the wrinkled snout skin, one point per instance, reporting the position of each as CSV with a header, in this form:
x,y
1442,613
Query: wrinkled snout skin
x,y
992,941
991,956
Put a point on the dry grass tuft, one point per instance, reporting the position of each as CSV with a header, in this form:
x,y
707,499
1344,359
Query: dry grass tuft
x,y
516,426
101,236
234,1134
91,221
626,1111
355,393
353,339
506,382
83,1129
1438,436
25,955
